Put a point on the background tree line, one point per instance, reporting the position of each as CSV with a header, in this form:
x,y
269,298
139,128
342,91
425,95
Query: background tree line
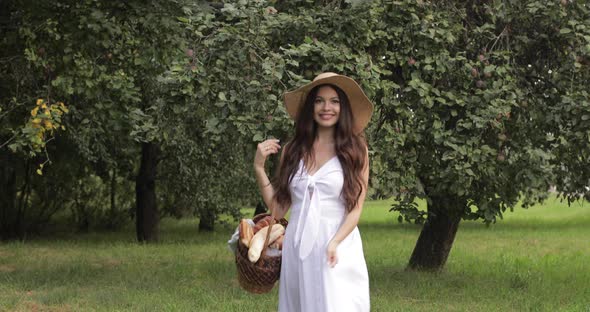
x,y
478,105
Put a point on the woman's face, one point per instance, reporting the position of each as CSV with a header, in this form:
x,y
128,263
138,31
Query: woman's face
x,y
326,111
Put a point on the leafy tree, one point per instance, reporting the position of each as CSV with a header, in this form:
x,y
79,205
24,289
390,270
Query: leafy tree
x,y
104,60
478,105
473,106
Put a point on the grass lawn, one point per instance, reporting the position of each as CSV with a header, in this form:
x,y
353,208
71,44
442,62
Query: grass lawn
x,y
535,260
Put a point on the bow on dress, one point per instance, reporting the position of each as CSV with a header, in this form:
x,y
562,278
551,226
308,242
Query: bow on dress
x,y
309,218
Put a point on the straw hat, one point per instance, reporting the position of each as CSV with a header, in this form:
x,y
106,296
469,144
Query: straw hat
x,y
360,105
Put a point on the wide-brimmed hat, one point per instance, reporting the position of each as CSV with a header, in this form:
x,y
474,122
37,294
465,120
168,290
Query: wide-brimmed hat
x,y
360,105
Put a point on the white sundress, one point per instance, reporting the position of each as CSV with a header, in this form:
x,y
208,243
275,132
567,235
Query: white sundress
x,y
308,283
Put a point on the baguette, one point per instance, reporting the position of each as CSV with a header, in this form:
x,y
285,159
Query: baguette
x,y
278,243
257,242
246,232
262,223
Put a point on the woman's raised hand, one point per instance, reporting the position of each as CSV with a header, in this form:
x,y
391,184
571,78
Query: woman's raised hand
x,y
265,148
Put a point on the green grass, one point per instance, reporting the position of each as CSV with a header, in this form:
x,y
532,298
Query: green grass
x,y
534,260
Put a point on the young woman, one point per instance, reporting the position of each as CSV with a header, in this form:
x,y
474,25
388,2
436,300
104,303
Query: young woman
x,y
322,177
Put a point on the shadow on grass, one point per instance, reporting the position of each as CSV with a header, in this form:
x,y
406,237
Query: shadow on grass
x,y
186,231
169,233
530,224
580,224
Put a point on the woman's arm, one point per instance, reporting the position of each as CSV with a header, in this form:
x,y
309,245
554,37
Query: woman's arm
x,y
351,220
267,191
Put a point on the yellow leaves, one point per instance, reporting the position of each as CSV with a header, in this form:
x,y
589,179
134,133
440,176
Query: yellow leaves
x,y
48,124
57,107
40,170
45,118
56,110
50,118
62,106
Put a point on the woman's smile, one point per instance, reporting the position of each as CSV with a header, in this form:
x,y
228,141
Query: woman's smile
x,y
326,116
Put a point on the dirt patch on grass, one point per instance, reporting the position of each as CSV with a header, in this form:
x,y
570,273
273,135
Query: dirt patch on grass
x,y
5,254
51,252
113,262
39,307
7,268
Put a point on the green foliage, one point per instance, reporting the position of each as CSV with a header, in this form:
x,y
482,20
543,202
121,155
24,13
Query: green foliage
x,y
483,103
103,59
452,121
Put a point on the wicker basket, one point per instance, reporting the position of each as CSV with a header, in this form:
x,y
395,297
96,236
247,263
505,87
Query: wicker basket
x,y
259,277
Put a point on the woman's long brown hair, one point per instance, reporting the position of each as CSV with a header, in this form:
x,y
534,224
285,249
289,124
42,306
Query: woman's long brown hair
x,y
350,149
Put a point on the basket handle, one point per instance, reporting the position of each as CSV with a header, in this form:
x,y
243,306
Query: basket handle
x,y
272,222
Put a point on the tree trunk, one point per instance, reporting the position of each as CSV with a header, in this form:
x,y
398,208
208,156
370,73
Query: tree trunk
x,y
112,215
436,239
147,217
207,221
23,203
7,198
113,190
